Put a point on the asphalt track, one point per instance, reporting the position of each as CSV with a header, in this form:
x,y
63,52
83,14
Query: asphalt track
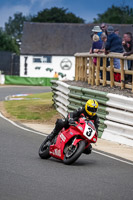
x,y
12,90
24,176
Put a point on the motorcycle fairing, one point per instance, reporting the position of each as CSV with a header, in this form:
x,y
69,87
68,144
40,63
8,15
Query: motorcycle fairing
x,y
57,149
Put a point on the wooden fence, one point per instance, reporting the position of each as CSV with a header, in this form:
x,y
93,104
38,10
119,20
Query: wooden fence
x,y
86,70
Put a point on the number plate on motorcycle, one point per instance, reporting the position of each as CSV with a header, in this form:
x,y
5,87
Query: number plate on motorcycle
x,y
89,132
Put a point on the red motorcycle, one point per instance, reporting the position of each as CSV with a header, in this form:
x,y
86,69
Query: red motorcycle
x,y
69,144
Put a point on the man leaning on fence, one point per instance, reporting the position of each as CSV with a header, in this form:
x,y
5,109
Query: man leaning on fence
x,y
114,44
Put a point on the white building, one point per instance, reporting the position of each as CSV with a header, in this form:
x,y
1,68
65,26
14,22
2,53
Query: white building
x,y
50,47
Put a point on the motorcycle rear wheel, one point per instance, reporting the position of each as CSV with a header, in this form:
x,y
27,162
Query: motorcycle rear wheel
x,y
44,151
74,153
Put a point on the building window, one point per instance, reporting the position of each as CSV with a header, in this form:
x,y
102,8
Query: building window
x,y
37,59
42,59
47,59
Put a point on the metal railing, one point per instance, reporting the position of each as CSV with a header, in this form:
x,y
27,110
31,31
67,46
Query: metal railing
x,y
86,70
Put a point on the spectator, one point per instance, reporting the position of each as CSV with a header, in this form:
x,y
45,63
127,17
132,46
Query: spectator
x,y
104,39
128,48
96,30
96,46
56,75
128,43
116,31
104,28
113,44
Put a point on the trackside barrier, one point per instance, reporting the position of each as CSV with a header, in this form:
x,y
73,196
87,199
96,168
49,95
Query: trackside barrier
x,y
115,111
119,101
118,132
60,97
119,119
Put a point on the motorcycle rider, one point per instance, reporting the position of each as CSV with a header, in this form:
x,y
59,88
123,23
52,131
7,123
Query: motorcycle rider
x,y
88,111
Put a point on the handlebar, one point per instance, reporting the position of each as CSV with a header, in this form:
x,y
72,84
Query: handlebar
x,y
73,123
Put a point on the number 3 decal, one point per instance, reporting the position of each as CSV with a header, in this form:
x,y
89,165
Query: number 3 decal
x,y
89,132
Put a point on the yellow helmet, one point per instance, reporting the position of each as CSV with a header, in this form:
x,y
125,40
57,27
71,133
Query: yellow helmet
x,y
91,107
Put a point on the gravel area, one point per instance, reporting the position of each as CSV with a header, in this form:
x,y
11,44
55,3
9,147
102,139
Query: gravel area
x,y
114,90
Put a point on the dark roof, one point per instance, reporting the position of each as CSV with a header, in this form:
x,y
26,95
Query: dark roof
x,y
59,38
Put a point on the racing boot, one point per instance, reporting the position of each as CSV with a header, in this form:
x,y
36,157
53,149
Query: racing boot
x,y
58,126
51,135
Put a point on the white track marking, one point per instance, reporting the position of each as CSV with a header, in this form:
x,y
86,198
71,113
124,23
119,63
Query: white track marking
x,y
112,157
26,129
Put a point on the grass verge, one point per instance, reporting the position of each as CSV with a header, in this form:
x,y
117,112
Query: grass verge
x,y
33,108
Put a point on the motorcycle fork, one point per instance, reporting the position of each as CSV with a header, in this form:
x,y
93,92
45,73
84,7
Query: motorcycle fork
x,y
69,145
75,138
76,141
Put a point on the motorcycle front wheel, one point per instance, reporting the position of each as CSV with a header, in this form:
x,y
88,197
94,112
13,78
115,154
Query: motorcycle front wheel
x,y
74,152
44,150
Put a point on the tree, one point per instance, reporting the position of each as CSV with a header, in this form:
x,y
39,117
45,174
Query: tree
x,y
14,26
7,43
116,15
59,15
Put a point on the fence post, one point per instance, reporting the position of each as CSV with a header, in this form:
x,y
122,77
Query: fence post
x,y
104,71
93,75
98,71
81,69
85,69
111,72
122,73
90,70
77,69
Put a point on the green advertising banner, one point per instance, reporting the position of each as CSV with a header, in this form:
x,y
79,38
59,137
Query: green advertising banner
x,y
17,80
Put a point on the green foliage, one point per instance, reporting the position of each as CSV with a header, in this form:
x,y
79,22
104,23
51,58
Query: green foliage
x,y
116,15
59,15
14,26
7,43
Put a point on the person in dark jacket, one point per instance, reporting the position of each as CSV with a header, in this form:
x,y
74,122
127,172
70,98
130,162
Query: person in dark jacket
x,y
104,28
114,44
89,112
127,43
128,48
